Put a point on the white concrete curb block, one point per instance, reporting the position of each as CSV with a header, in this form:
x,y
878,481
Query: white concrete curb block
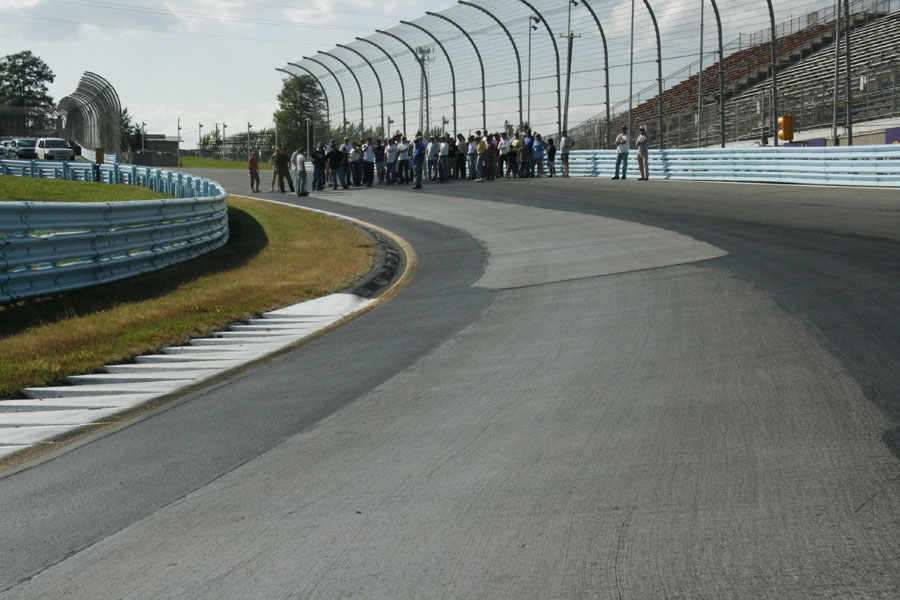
x,y
51,411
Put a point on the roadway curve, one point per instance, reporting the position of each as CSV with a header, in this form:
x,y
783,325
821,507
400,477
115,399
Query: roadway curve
x,y
590,389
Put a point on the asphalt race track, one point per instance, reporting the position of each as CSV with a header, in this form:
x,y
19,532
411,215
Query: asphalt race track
x,y
590,389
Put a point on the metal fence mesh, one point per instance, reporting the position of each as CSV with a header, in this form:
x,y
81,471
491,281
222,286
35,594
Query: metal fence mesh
x,y
608,59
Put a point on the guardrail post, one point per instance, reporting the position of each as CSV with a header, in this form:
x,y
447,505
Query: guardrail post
x,y
33,165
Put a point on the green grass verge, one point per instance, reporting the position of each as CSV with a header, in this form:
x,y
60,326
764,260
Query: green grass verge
x,y
193,162
25,189
277,255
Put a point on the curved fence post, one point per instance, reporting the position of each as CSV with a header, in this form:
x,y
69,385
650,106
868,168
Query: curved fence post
x,y
480,63
377,79
402,85
449,63
362,114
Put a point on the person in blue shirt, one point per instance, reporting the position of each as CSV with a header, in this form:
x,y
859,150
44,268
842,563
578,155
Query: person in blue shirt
x,y
528,165
539,147
419,150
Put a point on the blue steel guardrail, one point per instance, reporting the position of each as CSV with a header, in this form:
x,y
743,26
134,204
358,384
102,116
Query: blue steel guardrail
x,y
48,169
875,166
52,247
92,156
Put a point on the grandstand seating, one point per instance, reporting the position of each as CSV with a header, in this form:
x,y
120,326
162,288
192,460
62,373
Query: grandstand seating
x,y
743,69
875,47
805,80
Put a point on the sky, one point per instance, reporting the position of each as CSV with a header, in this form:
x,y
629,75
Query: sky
x,y
214,61
166,63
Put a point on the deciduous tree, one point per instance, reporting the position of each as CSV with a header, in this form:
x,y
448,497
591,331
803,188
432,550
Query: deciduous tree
x,y
23,80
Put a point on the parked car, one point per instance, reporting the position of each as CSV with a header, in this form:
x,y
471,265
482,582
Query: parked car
x,y
54,149
24,148
6,151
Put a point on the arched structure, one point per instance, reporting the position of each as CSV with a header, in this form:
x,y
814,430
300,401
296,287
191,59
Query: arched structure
x,y
605,69
480,63
556,51
340,88
659,79
377,79
774,72
322,87
399,76
91,114
418,61
721,75
511,41
449,63
362,114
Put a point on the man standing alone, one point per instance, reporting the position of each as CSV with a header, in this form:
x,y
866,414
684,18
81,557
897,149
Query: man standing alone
x,y
622,152
565,146
643,145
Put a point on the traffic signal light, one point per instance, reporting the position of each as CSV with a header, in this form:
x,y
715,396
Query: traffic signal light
x,y
786,131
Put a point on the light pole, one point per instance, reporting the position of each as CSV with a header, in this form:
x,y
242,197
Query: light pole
x,y
249,148
307,135
223,139
700,82
199,140
143,135
571,38
178,143
531,27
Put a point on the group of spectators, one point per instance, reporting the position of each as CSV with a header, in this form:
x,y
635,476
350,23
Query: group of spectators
x,y
399,161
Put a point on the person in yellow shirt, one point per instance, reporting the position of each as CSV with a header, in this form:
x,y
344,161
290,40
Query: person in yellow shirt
x,y
480,152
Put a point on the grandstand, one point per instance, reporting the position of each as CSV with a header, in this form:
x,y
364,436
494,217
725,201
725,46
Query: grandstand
x,y
806,76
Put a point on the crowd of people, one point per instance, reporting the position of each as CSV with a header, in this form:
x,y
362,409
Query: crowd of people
x,y
399,161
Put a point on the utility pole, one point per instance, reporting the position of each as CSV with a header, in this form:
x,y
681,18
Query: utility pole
x,y
425,57
178,143
847,74
307,135
199,139
531,27
223,139
249,148
571,38
700,83
631,72
143,135
837,71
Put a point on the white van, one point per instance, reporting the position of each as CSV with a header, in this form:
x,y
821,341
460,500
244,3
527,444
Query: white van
x,y
53,149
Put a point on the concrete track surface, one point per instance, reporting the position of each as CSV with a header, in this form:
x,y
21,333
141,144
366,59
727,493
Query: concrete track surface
x,y
591,389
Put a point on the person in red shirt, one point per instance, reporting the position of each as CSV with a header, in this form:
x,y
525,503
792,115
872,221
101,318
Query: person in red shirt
x,y
254,172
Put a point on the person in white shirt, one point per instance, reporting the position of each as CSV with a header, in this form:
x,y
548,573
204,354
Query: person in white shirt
x,y
390,162
368,163
298,163
503,148
431,158
443,160
622,142
565,146
404,173
642,143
